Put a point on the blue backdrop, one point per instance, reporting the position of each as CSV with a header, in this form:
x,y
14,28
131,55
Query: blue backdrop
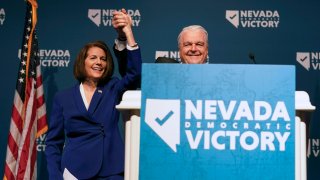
x,y
273,32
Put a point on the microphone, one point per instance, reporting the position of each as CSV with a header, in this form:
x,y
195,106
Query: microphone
x,y
252,58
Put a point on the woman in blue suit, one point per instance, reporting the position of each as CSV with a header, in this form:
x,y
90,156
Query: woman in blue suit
x,y
83,140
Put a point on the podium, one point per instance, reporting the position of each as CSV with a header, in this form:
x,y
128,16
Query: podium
x,y
130,109
303,110
216,121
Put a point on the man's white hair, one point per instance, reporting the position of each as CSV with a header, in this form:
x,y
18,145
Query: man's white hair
x,y
193,28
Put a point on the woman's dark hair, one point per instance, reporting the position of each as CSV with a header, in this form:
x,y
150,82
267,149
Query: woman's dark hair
x,y
79,71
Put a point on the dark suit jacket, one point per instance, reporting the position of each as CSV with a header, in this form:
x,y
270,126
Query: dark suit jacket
x,y
165,60
92,140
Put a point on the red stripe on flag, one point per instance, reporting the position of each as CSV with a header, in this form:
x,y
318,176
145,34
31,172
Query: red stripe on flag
x,y
16,117
42,123
40,101
13,147
39,81
8,174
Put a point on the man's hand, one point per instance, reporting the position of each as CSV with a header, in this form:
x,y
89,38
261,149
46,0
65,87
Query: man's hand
x,y
121,21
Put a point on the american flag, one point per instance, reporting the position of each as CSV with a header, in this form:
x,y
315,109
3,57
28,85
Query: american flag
x,y
28,118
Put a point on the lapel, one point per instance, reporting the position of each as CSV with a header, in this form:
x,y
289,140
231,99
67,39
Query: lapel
x,y
98,95
96,99
79,102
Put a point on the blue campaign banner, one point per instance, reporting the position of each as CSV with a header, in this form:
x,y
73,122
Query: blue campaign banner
x,y
217,122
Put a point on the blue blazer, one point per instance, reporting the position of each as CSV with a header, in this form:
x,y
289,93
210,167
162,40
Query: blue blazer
x,y
88,142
